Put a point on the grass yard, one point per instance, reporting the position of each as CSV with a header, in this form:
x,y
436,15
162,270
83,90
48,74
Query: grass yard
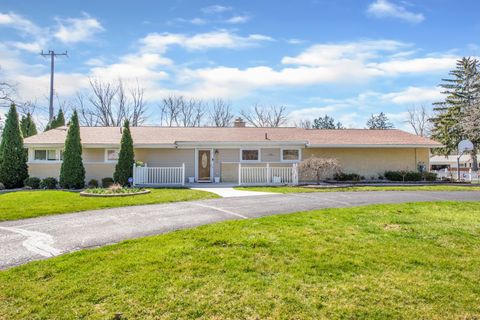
x,y
29,204
409,261
287,189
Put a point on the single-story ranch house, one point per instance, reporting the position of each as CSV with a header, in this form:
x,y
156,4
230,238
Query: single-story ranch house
x,y
243,155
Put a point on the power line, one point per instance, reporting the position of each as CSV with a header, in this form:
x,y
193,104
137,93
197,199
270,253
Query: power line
x,y
52,55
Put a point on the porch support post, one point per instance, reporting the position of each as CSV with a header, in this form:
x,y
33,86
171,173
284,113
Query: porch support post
x,y
134,173
268,173
183,174
239,174
295,173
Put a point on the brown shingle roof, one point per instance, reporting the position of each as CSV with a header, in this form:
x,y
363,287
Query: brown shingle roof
x,y
98,136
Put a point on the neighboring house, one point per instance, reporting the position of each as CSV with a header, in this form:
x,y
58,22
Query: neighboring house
x,y
208,154
450,162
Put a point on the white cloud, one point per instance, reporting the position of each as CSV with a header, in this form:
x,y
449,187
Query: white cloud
x,y
326,54
73,30
386,8
416,65
215,9
216,39
412,95
237,19
320,64
20,23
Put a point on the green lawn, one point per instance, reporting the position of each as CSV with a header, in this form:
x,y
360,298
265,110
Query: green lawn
x,y
409,261
286,189
28,204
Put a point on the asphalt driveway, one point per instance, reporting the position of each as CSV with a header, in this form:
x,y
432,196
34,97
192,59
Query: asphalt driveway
x,y
22,241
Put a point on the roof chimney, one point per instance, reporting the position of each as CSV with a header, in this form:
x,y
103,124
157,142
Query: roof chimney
x,y
239,123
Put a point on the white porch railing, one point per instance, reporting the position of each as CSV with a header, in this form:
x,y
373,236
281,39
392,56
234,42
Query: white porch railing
x,y
158,176
267,175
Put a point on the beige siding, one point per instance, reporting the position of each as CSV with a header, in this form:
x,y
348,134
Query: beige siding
x,y
93,155
92,170
225,155
371,162
168,158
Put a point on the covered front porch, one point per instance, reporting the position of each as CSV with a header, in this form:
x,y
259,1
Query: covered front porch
x,y
230,174
216,164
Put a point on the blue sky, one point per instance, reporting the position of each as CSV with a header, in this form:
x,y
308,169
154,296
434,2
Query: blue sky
x,y
348,59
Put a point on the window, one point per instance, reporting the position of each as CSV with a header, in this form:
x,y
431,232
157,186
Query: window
x,y
45,155
250,155
112,154
290,155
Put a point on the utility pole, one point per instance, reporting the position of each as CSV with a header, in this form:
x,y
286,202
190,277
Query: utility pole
x,y
52,55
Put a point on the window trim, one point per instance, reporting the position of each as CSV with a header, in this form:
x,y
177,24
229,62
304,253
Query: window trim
x,y
57,155
251,149
106,155
291,161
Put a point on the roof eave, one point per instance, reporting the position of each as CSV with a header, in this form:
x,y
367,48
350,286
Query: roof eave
x,y
429,146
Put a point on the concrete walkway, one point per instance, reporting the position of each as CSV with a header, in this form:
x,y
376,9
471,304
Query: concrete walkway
x,y
229,192
22,241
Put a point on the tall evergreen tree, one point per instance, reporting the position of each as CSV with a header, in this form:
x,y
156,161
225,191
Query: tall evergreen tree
x,y
379,122
13,158
28,126
326,122
72,172
57,121
462,95
124,167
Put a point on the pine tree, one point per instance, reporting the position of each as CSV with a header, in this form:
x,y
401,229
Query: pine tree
x,y
379,122
13,158
124,167
57,121
326,122
72,172
452,121
28,126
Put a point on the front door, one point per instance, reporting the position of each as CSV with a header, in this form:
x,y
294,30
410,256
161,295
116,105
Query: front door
x,y
204,165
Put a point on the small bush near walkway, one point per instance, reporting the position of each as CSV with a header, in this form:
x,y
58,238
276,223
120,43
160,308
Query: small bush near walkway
x,y
107,182
32,182
49,183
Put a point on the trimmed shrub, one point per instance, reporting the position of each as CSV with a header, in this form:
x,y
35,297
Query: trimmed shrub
x,y
49,183
72,172
32,182
2,187
403,176
413,176
126,158
430,176
93,183
13,158
394,176
107,182
342,176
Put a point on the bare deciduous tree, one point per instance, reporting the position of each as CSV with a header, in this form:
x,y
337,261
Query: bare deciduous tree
x,y
169,110
138,105
319,168
7,92
180,111
418,119
111,103
261,116
221,114
191,113
304,124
